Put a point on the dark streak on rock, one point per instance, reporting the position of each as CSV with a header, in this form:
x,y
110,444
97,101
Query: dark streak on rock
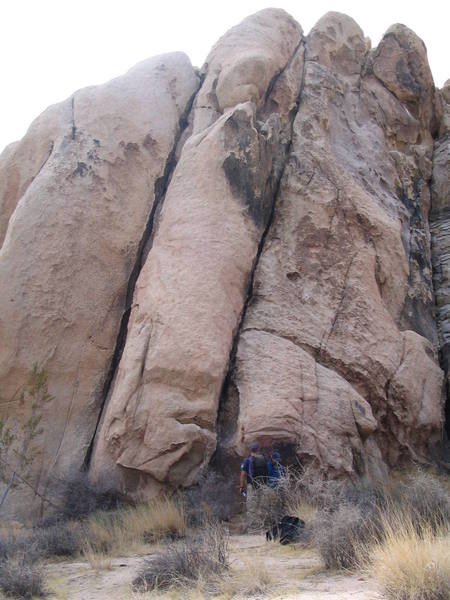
x,y
227,413
404,77
50,152
74,129
418,312
161,185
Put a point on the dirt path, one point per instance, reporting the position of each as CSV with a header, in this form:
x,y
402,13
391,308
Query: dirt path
x,y
79,581
264,570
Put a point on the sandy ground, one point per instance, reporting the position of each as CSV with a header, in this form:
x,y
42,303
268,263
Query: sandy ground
x,y
295,573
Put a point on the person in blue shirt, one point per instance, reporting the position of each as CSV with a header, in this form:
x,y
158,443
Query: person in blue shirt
x,y
253,470
275,470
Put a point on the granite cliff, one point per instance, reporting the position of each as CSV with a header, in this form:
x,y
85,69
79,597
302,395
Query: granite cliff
x,y
256,250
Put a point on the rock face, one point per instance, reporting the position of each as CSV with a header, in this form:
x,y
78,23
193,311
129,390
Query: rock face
x,y
73,241
160,420
337,351
440,227
201,260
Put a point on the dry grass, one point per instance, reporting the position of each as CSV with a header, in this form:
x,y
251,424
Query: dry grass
x,y
185,564
410,563
297,507
155,520
176,593
98,561
125,530
58,588
253,578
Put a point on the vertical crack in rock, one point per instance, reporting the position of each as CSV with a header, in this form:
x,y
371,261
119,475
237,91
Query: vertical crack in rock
x,y
74,129
161,185
223,409
50,152
340,304
278,75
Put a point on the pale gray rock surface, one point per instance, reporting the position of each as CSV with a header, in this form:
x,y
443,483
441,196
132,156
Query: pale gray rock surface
x,y
72,243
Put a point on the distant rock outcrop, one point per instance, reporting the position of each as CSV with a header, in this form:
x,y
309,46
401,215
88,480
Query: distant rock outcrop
x,y
203,259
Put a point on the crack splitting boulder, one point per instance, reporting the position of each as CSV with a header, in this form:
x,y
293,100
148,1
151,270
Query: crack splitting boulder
x,y
72,243
159,425
337,351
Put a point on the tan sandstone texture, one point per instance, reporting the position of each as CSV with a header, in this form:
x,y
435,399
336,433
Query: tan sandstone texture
x,y
160,422
72,243
337,352
202,259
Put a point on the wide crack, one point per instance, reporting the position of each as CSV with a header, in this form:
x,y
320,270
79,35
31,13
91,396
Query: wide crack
x,y
225,412
161,186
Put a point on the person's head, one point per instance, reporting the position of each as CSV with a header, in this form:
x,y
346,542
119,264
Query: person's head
x,y
254,448
275,457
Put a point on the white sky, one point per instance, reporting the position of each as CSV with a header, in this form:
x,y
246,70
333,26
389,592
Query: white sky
x,y
50,48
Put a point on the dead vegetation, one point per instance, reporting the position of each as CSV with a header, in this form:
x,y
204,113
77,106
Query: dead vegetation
x,y
411,560
22,577
181,564
396,532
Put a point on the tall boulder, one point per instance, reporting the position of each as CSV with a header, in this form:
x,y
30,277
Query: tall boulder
x,y
79,211
159,426
337,354
440,229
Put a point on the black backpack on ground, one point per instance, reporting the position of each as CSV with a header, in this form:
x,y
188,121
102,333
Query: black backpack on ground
x,y
288,530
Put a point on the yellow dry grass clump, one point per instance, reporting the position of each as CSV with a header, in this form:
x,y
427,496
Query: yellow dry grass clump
x,y
119,532
411,561
157,519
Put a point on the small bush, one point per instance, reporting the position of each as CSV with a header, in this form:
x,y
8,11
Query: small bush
x,y
212,498
184,563
351,513
340,534
11,544
423,496
59,540
22,578
265,507
79,498
411,563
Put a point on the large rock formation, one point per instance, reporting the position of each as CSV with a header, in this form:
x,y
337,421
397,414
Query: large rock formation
x,y
256,266
440,227
160,421
73,241
336,354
